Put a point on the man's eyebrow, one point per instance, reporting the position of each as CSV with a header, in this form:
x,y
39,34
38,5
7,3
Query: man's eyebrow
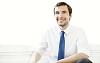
x,y
64,11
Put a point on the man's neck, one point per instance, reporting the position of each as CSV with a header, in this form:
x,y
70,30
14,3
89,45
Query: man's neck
x,y
64,27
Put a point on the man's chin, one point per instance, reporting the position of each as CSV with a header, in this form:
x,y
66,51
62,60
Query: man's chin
x,y
61,24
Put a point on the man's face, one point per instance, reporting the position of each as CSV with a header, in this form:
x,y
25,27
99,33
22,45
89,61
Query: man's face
x,y
62,15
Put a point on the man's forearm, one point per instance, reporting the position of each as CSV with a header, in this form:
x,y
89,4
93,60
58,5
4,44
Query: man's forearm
x,y
73,58
36,57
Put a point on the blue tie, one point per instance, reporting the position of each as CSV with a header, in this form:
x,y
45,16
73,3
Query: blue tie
x,y
61,46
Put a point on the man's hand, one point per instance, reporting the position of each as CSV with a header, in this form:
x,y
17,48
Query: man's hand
x,y
35,57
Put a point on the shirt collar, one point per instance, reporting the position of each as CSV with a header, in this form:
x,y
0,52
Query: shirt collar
x,y
67,30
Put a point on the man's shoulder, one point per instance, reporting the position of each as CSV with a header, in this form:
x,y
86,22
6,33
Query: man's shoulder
x,y
49,30
76,29
52,28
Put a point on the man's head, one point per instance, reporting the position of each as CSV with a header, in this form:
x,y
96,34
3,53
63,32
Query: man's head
x,y
63,13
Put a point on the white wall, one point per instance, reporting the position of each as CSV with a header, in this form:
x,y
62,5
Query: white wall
x,y
23,21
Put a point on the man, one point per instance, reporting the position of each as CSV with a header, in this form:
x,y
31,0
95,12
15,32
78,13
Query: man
x,y
75,46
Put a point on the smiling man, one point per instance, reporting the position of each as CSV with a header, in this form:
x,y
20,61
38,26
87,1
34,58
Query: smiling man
x,y
64,43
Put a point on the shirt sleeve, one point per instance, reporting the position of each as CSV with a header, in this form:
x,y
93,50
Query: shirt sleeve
x,y
43,45
82,43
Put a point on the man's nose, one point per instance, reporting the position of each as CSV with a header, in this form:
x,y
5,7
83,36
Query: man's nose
x,y
60,15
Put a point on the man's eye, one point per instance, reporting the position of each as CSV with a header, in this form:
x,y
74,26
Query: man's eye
x,y
57,12
64,12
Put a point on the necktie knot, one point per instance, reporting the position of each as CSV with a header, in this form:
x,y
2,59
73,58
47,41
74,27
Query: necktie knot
x,y
62,33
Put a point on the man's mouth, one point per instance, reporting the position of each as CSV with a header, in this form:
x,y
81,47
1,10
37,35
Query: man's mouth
x,y
61,20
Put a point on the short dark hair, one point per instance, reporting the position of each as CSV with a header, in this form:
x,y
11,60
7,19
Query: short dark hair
x,y
63,4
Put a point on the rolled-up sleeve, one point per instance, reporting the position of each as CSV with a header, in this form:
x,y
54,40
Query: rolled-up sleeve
x,y
43,45
82,43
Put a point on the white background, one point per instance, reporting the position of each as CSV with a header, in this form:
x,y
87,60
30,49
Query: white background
x,y
22,22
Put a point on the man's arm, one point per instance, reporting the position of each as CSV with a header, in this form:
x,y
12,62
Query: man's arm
x,y
73,58
36,57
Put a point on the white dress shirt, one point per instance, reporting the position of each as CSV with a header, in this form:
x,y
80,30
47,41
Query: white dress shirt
x,y
75,42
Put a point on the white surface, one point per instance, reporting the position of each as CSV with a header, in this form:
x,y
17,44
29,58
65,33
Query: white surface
x,y
95,53
15,53
22,54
